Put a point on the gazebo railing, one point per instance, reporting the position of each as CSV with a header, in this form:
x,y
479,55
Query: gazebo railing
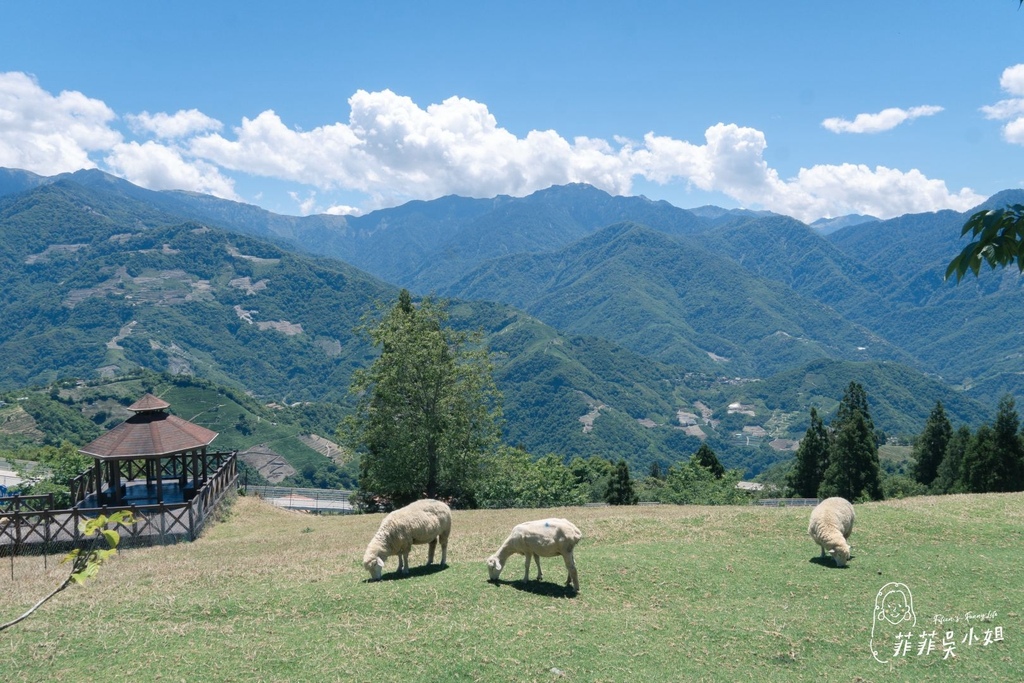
x,y
58,530
31,503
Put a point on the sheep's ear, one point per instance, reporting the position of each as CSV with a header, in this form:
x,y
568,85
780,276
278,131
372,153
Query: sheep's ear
x,y
380,562
832,552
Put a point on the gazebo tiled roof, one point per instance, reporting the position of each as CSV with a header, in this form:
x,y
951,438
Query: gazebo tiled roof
x,y
149,402
149,433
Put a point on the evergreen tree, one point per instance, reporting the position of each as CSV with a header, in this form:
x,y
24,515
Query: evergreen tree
x,y
1010,470
427,408
655,471
950,474
620,487
811,459
853,471
706,458
980,470
930,448
855,400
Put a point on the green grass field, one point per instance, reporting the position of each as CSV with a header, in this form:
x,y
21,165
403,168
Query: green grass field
x,y
667,594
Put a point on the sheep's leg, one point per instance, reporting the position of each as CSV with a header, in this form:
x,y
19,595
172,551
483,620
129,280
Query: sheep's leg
x,y
430,552
529,558
570,564
539,575
403,562
444,549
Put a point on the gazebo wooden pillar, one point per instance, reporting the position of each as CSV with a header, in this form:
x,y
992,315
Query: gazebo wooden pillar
x,y
167,444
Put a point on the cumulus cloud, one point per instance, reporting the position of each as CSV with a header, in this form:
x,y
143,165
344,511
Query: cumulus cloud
x,y
159,167
168,126
49,135
343,210
732,162
887,119
1012,109
393,150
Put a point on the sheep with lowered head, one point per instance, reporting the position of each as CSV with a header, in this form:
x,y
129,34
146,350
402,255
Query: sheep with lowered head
x,y
831,524
425,521
541,538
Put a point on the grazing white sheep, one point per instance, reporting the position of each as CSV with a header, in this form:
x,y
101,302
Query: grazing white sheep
x,y
425,521
542,538
831,524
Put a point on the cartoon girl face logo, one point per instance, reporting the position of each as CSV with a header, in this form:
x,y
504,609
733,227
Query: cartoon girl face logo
x,y
894,605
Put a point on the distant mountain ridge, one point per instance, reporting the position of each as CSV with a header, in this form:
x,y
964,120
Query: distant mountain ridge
x,y
631,310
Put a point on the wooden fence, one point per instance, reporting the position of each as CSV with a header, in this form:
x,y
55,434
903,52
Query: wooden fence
x,y
26,528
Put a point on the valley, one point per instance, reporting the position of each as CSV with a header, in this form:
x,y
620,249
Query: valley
x,y
611,320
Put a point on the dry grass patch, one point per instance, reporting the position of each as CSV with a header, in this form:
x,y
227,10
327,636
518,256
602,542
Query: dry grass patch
x,y
667,593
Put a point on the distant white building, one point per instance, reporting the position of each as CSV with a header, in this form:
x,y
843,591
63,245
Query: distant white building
x,y
741,408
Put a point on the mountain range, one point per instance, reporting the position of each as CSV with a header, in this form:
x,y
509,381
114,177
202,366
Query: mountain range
x,y
609,317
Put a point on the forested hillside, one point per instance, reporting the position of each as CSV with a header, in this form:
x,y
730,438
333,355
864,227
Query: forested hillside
x,y
620,327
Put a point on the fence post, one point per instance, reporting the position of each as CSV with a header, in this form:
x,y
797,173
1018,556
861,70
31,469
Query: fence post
x,y
163,525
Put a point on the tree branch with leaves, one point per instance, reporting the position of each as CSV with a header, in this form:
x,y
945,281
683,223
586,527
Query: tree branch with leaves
x,y
998,240
85,563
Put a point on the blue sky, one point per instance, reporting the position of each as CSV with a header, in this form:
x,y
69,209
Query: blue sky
x,y
810,109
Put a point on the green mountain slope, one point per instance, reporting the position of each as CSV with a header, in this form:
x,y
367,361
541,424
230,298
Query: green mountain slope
x,y
900,398
97,286
674,301
91,287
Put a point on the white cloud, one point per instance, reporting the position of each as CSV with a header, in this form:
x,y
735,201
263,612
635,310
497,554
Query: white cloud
x,y
159,167
393,150
887,119
731,162
168,126
343,210
50,135
1012,81
307,205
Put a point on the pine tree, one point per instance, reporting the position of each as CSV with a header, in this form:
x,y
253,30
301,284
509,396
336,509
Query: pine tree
x,y
950,475
706,458
620,487
981,462
811,459
853,471
1010,452
930,448
855,400
655,471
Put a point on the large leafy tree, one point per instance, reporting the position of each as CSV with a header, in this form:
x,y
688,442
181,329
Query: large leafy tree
x,y
427,408
930,448
853,471
812,458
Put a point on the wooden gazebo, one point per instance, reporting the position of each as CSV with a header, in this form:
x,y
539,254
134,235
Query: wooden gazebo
x,y
171,454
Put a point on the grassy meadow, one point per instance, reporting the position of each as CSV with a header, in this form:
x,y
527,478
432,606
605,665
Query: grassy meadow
x,y
667,594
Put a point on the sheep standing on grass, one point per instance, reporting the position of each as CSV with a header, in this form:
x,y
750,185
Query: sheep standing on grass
x,y
425,521
542,538
831,524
